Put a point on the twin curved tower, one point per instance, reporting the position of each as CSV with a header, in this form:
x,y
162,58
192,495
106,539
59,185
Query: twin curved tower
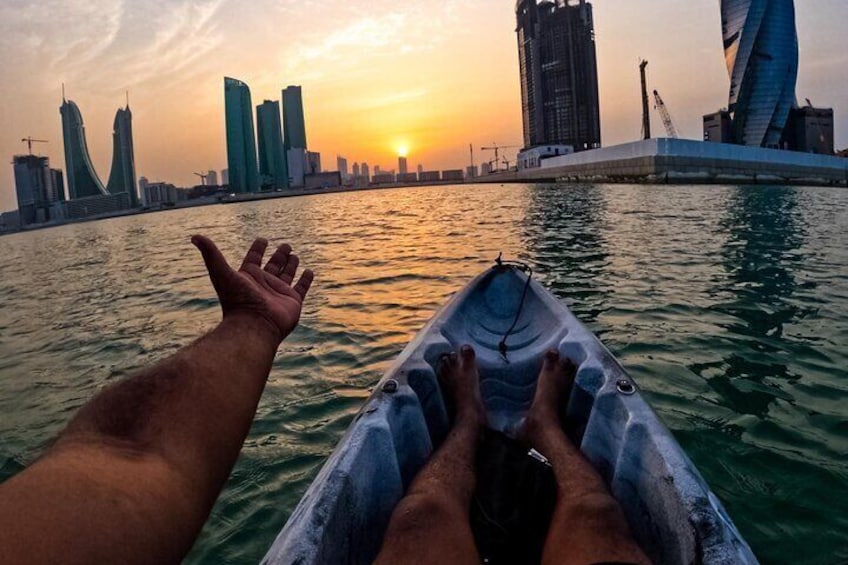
x,y
83,181
761,48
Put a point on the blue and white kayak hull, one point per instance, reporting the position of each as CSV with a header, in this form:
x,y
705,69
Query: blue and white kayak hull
x,y
674,515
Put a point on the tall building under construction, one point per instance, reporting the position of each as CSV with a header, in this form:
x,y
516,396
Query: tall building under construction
x,y
559,73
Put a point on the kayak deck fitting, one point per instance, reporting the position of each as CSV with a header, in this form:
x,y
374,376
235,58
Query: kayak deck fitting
x,y
672,512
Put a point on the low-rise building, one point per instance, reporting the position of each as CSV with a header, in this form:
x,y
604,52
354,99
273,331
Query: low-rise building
x,y
313,159
429,176
718,127
330,179
407,177
97,205
453,175
155,194
809,130
532,158
383,178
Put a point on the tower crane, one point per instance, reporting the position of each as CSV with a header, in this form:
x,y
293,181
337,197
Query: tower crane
x,y
497,148
202,178
29,141
666,117
646,115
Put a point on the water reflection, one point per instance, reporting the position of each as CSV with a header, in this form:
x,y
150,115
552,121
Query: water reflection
x,y
765,232
564,233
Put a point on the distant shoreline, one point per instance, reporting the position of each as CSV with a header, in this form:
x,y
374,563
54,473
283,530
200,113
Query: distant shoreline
x,y
237,199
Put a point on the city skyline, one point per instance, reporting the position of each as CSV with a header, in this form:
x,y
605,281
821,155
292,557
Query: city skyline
x,y
456,84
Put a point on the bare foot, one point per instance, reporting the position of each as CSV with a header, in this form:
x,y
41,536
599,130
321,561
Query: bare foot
x,y
460,383
553,389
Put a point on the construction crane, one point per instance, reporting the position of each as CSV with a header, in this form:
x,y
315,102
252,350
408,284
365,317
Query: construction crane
x,y
497,148
29,141
646,106
202,178
666,117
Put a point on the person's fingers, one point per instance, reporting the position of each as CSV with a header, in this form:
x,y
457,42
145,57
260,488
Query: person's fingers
x,y
255,253
279,259
302,286
287,276
216,264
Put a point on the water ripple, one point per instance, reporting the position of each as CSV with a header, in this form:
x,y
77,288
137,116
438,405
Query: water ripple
x,y
728,304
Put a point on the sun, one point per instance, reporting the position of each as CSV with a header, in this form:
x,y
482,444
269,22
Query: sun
x,y
402,151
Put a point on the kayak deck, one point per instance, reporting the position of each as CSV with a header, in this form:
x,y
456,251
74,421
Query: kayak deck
x,y
672,511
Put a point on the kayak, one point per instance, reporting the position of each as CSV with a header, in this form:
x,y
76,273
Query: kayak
x,y
511,320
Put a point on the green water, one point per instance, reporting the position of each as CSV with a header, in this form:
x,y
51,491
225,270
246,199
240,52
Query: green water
x,y
729,305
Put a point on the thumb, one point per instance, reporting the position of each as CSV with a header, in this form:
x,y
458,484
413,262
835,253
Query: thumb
x,y
215,262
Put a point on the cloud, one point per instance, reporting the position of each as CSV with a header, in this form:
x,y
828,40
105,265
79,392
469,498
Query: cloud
x,y
110,44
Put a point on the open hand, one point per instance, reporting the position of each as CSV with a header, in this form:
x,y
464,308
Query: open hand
x,y
264,294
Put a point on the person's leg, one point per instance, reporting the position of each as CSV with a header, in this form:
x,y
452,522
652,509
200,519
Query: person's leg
x,y
588,525
431,523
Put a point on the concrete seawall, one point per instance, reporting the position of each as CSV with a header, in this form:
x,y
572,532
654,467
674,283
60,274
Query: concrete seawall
x,y
685,161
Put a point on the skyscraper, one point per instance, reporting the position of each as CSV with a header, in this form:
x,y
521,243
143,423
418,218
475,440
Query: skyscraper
x,y
366,172
212,178
33,182
273,167
341,163
403,168
294,123
241,141
761,49
559,73
82,180
122,177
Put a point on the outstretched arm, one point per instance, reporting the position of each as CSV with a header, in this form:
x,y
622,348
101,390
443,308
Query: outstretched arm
x,y
134,476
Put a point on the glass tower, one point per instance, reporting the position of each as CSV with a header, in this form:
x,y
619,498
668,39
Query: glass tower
x,y
294,124
273,166
122,177
241,141
761,48
82,180
559,73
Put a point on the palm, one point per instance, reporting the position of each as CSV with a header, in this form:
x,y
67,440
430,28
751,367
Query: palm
x,y
264,292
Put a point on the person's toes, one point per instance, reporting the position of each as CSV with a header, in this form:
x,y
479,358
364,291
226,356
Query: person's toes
x,y
468,356
448,363
551,360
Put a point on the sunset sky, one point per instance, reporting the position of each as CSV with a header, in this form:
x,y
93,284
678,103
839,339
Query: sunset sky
x,y
378,75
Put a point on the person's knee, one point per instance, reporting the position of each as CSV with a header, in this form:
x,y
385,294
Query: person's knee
x,y
421,512
596,507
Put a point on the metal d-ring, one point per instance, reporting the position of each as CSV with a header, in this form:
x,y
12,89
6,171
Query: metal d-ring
x,y
625,387
390,386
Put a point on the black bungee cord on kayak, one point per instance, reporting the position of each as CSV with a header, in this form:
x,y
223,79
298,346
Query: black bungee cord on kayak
x,y
524,268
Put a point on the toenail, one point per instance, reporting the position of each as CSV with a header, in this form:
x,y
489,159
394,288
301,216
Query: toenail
x,y
467,349
552,354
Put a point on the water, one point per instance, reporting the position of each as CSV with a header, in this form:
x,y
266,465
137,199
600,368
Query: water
x,y
729,305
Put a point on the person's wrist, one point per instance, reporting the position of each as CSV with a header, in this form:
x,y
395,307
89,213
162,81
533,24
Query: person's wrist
x,y
256,324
